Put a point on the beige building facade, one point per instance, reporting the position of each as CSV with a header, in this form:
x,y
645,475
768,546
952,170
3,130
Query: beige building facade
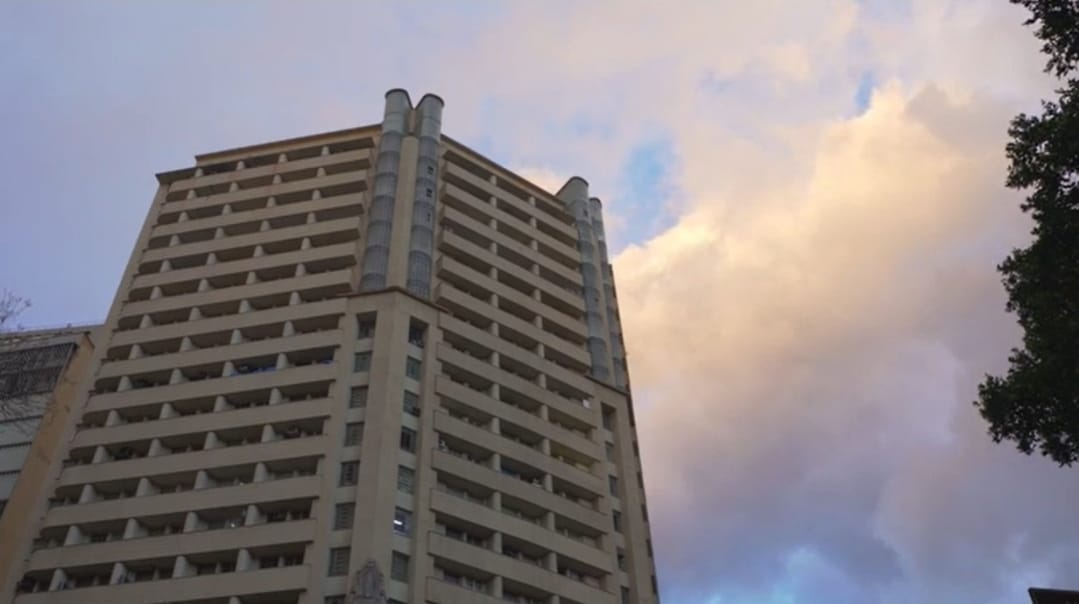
x,y
42,378
362,362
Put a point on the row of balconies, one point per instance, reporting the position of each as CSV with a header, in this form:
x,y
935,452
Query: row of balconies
x,y
236,301
253,172
551,215
213,368
483,247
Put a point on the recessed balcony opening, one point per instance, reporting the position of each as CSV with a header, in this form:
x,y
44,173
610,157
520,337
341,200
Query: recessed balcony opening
x,y
467,286
193,406
512,209
523,551
523,510
295,429
155,569
255,182
463,530
516,310
463,489
351,145
521,471
557,279
103,532
184,443
517,368
329,292
467,233
177,482
467,346
575,337
467,187
239,437
304,153
312,356
559,213
149,268
519,400
344,189
463,449
295,175
284,511
212,563
243,228
247,205
327,265
142,413
316,324
577,531
468,314
116,489
171,317
282,469
196,236
569,423
200,373
278,556
579,571
163,524
306,392
220,309
268,302
577,494
513,233
293,220
205,212
571,457
463,576
465,413
221,518
348,166
346,211
519,435
466,378
188,261
276,273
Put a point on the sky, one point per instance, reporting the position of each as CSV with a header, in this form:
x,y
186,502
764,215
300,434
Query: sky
x,y
804,199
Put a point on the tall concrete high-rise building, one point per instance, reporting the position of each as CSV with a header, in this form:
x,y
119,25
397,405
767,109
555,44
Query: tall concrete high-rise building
x,y
363,366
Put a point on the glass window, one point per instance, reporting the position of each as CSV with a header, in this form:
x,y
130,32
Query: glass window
x,y
365,327
412,403
353,434
416,332
361,362
406,479
612,484
413,368
338,565
616,519
343,514
350,473
408,440
399,567
358,397
402,521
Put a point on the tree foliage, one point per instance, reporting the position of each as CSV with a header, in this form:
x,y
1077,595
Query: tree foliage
x,y
1036,403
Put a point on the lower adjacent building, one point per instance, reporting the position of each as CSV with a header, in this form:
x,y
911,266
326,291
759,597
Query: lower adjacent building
x,y
41,374
360,366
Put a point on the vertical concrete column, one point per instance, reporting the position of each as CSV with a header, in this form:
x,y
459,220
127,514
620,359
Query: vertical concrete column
x,y
156,448
73,536
119,571
181,568
202,480
614,322
221,404
243,560
113,418
167,411
575,195
101,455
252,515
496,587
422,235
496,500
191,522
376,254
262,473
145,488
59,580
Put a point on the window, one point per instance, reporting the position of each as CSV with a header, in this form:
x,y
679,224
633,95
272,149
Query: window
x,y
402,521
612,484
621,559
361,362
625,595
399,567
408,440
338,565
365,327
350,472
353,434
412,403
413,368
616,519
342,515
608,417
334,600
416,332
358,397
610,451
644,512
406,479
655,586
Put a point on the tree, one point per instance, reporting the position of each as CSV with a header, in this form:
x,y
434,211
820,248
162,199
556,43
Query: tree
x,y
1036,403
